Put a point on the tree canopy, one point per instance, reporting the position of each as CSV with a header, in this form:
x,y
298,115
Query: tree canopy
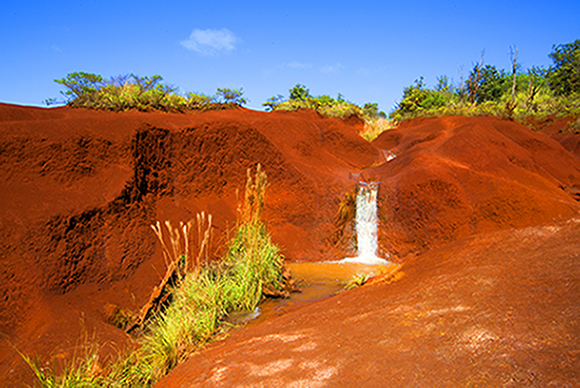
x,y
511,94
564,75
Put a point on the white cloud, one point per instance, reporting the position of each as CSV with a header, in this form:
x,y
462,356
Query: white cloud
x,y
210,42
331,68
299,65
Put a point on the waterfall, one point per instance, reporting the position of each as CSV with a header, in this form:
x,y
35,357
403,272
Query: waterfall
x,y
366,225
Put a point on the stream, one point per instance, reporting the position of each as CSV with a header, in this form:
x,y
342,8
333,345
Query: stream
x,y
316,281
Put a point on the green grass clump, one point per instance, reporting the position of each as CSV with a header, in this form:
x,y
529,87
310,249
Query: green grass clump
x,y
201,303
83,370
192,318
203,300
357,281
253,261
200,300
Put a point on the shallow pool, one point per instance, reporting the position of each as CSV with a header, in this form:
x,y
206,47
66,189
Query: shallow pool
x,y
316,281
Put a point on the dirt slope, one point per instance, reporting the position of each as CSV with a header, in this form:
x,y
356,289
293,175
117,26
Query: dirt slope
x,y
565,130
79,190
496,309
455,176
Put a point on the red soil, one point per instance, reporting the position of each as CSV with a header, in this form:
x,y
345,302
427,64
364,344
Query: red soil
x,y
456,176
495,309
563,129
80,188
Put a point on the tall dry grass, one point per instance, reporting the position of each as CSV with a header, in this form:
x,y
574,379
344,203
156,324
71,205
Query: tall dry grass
x,y
374,127
187,250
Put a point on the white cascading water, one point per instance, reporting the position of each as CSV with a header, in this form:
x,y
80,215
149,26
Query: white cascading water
x,y
366,225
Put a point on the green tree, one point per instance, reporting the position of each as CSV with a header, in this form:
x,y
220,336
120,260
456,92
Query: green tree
x,y
486,83
80,84
413,97
300,98
371,110
300,92
273,102
152,83
564,76
231,96
418,98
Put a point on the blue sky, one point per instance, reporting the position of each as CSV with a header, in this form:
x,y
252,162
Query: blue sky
x,y
366,50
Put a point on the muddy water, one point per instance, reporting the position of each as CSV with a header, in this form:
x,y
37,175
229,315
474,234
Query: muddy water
x,y
315,281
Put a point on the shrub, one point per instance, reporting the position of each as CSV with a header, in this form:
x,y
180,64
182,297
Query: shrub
x,y
230,96
300,93
198,101
126,92
486,83
273,102
300,98
80,84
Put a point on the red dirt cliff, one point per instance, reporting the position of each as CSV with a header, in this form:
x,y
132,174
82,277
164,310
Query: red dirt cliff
x,y
80,188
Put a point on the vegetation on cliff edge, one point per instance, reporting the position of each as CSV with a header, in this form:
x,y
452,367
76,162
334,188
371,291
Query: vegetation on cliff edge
x,y
127,92
515,94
